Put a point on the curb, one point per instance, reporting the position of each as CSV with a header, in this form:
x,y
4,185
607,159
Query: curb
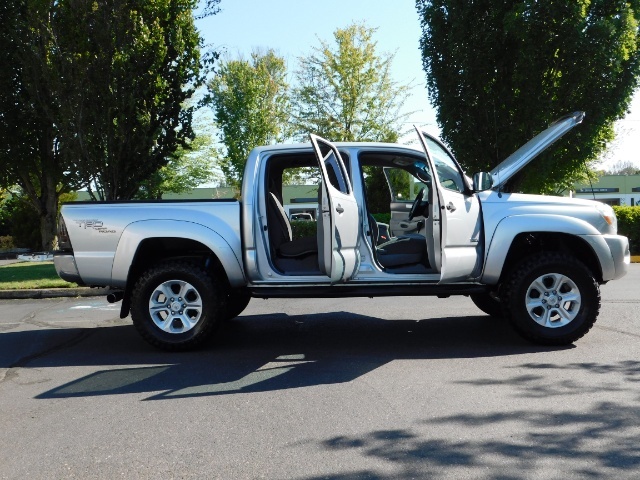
x,y
53,293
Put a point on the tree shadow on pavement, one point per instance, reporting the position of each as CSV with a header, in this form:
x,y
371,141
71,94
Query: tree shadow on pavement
x,y
599,442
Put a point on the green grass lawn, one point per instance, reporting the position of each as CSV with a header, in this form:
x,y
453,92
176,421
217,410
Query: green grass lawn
x,y
28,275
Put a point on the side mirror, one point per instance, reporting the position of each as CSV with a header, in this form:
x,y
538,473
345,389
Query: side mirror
x,y
482,181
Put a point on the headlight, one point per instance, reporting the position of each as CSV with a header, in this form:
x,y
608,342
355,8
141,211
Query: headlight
x,y
609,216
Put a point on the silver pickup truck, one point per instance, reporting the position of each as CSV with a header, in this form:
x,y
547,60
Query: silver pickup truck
x,y
182,267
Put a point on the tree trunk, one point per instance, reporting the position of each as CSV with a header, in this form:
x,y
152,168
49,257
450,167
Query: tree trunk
x,y
47,231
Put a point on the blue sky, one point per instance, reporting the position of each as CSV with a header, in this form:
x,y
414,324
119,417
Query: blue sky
x,y
292,29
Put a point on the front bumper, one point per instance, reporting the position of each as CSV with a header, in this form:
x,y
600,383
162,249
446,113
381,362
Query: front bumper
x,y
66,267
619,247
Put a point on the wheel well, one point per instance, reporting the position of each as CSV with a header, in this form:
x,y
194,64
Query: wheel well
x,y
527,243
152,251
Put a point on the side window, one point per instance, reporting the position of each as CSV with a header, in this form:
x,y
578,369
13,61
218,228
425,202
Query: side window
x,y
337,177
448,172
402,184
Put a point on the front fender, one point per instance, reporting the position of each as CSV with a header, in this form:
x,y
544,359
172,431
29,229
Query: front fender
x,y
135,233
509,227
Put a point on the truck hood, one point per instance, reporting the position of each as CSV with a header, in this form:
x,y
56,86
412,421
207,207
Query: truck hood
x,y
521,157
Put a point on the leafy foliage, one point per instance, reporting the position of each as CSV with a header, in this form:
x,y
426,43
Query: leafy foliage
x,y
250,102
6,243
187,169
629,225
20,221
303,228
91,95
31,153
345,92
23,222
499,72
382,217
129,65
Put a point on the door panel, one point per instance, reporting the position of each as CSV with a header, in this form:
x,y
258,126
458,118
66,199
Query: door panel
x,y
461,234
399,222
338,229
403,187
456,219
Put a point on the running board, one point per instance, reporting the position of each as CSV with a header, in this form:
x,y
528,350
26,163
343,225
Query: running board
x,y
387,290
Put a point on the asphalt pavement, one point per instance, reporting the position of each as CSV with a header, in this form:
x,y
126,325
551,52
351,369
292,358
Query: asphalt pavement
x,y
341,389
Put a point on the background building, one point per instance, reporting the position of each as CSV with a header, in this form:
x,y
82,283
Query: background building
x,y
611,189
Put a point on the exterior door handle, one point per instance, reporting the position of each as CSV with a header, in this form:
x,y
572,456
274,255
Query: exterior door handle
x,y
339,208
451,207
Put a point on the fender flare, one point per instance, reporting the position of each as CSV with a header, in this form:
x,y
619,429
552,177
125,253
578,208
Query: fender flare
x,y
136,232
508,228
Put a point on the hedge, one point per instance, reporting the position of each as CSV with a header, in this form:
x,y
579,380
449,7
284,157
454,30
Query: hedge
x,y
629,226
382,217
304,228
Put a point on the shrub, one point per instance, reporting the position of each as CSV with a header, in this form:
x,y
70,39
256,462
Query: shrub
x,y
304,228
382,217
24,223
6,243
629,225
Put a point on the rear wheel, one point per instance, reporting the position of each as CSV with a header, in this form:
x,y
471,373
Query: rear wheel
x,y
176,306
551,298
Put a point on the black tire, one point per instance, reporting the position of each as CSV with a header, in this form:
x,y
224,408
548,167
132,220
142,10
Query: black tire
x,y
488,304
237,301
551,320
173,322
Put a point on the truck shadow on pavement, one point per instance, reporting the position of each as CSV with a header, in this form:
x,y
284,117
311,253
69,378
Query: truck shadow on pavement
x,y
259,353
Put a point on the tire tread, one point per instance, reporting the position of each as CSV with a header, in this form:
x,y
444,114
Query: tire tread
x,y
140,317
524,268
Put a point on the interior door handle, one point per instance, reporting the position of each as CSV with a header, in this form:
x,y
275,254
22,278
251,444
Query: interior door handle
x,y
339,208
451,207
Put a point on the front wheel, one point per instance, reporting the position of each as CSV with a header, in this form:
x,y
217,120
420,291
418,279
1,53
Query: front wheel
x,y
176,306
237,301
551,298
488,304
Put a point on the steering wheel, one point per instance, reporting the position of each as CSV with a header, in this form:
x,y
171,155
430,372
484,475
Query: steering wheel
x,y
416,204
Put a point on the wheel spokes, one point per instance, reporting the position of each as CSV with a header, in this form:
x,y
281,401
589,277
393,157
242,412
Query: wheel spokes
x,y
175,306
553,300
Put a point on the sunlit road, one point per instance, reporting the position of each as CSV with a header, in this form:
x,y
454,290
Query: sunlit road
x,y
390,388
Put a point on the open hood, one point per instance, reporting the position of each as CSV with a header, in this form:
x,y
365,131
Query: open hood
x,y
521,157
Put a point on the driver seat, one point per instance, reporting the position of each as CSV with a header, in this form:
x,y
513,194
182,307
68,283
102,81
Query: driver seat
x,y
408,249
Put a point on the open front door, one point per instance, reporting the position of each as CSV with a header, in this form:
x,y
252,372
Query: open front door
x,y
455,216
338,223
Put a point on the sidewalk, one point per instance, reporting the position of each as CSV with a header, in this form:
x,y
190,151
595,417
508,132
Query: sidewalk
x,y
53,293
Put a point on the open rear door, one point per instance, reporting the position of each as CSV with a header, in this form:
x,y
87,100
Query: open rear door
x,y
338,224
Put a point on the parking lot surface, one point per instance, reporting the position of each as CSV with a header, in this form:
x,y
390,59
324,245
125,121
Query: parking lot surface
x,y
387,388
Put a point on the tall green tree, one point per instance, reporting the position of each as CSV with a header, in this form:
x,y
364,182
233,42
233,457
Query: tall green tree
x,y
250,101
345,91
31,153
187,169
499,72
92,95
129,66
